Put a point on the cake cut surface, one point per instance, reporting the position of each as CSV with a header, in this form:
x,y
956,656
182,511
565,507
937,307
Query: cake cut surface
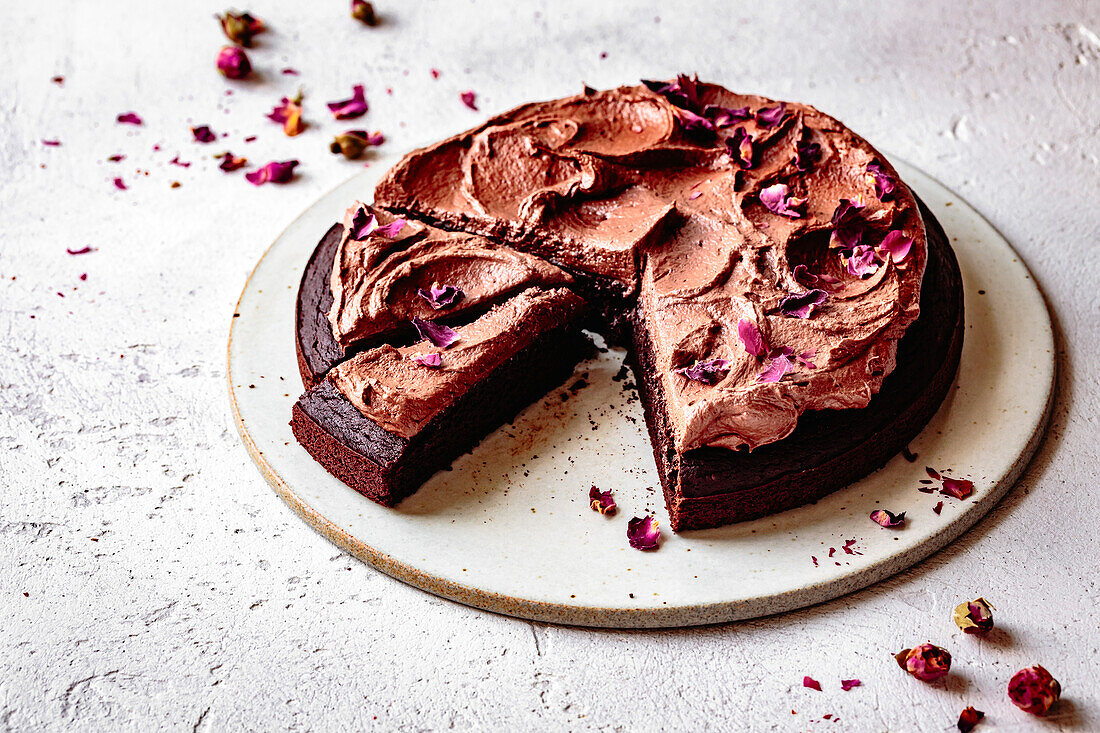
x,y
759,260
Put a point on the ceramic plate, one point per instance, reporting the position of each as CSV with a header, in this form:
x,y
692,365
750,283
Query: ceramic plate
x,y
509,529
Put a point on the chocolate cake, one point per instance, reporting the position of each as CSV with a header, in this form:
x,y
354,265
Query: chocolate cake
x,y
792,313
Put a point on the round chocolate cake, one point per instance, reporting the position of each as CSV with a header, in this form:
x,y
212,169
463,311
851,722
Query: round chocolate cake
x,y
792,312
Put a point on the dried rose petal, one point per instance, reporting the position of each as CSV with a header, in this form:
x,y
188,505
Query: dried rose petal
x,y
803,275
847,223
231,162
771,116
974,617
52,143
695,125
804,358
180,163
741,148
926,662
352,143
129,118
438,334
806,155
643,533
601,501
887,519
86,249
350,108
969,718
203,134
682,93
240,28
290,71
469,99
441,296
432,361
932,473
777,199
862,262
1034,690
801,305
884,182
120,184
726,116
273,172
288,113
957,487
849,684
750,336
233,63
778,367
810,682
708,372
938,508
363,11
895,246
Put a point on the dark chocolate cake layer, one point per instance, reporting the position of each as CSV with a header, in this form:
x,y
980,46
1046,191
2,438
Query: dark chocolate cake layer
x,y
314,343
829,449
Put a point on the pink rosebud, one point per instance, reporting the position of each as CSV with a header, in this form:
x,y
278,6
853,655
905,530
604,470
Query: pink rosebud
x,y
273,172
643,533
363,11
926,662
469,99
352,143
240,27
233,63
350,108
974,617
969,719
1034,690
601,501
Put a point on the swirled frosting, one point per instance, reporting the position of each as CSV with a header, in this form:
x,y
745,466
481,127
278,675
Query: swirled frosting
x,y
713,207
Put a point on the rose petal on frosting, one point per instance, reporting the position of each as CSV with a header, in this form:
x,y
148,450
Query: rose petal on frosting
x,y
778,200
240,27
1034,690
805,357
959,488
969,719
771,116
350,108
440,296
601,501
469,99
778,367
887,519
926,662
231,162
288,113
862,262
643,533
120,184
708,372
233,62
273,172
849,684
810,682
203,134
726,116
741,150
431,360
848,223
438,334
806,155
885,184
803,275
801,305
895,246
129,118
694,125
750,336
682,93
974,617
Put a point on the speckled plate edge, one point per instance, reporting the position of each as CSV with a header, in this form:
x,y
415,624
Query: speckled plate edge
x,y
935,195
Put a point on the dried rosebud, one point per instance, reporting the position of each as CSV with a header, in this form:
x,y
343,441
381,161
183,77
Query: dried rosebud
x,y
708,372
887,519
441,296
288,113
969,718
469,99
801,305
926,662
273,172
352,143
349,108
364,12
233,63
778,200
203,134
643,533
437,333
1033,690
601,501
240,28
432,361
974,617
750,336
231,162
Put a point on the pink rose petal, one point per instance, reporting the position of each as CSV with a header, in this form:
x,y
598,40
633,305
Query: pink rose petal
x,y
885,184
86,249
862,262
750,336
895,246
801,305
887,519
180,163
741,149
771,116
52,143
806,155
469,99
350,108
643,533
432,361
811,683
777,199
601,501
708,372
441,296
726,116
273,172
957,487
778,367
203,134
231,162
848,223
849,684
120,184
129,118
438,334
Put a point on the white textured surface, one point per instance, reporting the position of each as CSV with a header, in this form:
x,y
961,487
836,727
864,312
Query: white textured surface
x,y
206,603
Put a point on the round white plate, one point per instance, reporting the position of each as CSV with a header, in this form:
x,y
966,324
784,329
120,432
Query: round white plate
x,y
509,529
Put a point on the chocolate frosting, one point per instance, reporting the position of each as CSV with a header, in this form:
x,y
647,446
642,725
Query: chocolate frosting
x,y
375,281
622,184
402,396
